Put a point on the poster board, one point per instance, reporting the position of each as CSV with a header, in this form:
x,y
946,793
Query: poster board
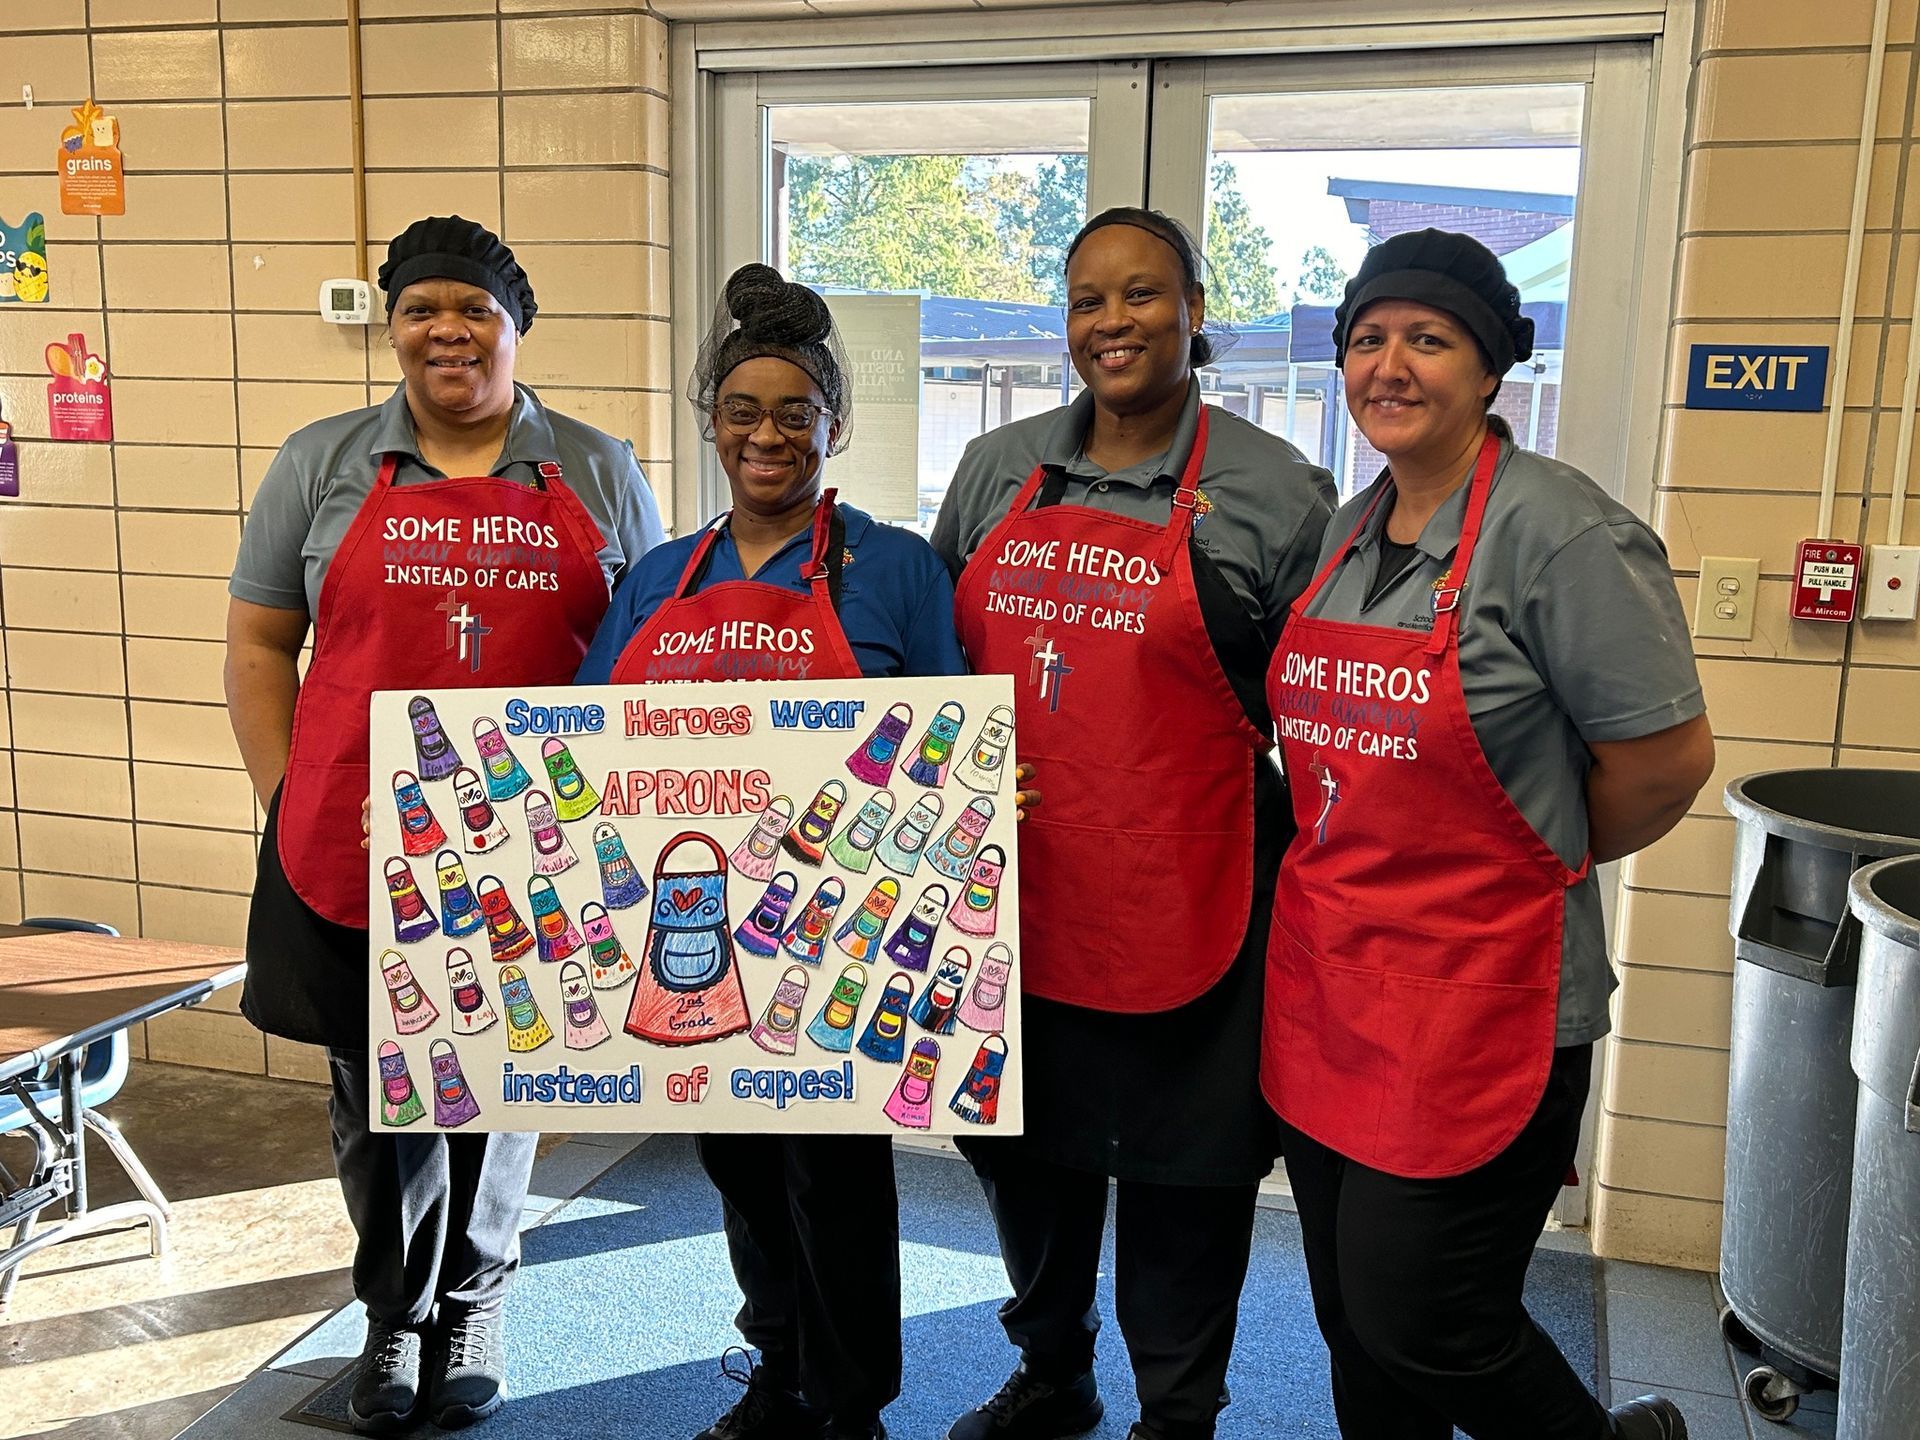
x,y
771,907
24,279
881,335
80,394
93,174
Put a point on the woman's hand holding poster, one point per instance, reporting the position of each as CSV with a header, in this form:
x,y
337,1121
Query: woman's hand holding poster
x,y
702,907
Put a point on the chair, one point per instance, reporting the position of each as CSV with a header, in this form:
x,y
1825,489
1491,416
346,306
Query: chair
x,y
103,1070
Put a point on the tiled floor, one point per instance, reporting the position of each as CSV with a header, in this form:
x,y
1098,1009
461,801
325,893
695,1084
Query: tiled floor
x,y
1663,1333
103,1343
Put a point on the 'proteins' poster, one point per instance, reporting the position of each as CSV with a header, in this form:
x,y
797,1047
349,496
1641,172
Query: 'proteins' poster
x,y
787,906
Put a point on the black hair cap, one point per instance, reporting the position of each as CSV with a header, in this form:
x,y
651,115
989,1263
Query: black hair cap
x,y
452,248
1450,272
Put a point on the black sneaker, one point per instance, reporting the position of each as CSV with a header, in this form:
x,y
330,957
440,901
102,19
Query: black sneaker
x,y
1031,1407
386,1392
1651,1417
470,1368
768,1411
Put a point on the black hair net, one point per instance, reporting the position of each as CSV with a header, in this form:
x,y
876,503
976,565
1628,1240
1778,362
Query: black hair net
x,y
762,313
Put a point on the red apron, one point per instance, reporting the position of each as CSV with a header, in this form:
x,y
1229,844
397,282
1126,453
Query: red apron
x,y
437,632
736,630
744,629
1413,970
1136,875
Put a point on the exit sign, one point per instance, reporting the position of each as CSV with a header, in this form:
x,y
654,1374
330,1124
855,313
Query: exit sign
x,y
1757,377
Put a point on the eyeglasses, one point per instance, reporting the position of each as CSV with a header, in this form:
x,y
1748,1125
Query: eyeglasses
x,y
32,272
795,418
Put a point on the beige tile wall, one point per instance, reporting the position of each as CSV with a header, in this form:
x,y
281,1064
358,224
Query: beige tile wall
x,y
1779,89
121,794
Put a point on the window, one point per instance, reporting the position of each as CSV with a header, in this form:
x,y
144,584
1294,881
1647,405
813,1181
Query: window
x,y
1293,204
937,231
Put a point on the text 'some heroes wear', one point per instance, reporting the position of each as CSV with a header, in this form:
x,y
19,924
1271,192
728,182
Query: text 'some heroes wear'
x,y
1414,960
1138,870
386,613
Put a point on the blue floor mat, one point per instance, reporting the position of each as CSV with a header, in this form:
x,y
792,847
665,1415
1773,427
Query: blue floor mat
x,y
625,1301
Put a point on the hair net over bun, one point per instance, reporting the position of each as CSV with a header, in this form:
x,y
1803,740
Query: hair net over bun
x,y
771,308
761,313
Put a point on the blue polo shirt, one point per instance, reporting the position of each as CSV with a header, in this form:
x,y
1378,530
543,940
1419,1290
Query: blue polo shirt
x,y
896,600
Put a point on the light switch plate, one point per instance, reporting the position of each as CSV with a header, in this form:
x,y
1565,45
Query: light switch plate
x,y
1724,607
1893,582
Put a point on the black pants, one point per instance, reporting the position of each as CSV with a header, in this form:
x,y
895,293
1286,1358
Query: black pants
x,y
1180,1260
1417,1285
437,1216
813,1229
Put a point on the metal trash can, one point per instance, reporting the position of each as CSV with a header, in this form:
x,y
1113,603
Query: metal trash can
x,y
1791,1101
1879,1374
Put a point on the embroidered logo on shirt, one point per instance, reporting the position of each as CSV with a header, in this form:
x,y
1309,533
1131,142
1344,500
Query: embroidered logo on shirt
x,y
1202,506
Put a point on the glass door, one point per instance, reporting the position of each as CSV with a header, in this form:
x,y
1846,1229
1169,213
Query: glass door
x,y
932,208
933,213
1299,167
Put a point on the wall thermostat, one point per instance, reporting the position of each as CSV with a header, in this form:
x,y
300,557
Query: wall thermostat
x,y
346,302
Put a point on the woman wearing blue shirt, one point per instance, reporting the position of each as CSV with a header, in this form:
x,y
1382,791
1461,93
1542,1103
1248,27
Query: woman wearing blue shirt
x,y
828,593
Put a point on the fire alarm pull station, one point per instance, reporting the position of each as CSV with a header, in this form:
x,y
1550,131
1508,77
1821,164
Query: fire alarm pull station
x,y
1826,580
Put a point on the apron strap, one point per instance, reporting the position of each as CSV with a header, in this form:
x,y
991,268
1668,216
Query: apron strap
x,y
1446,600
821,569
546,473
697,562
827,553
1048,486
688,837
1306,597
1186,498
1036,483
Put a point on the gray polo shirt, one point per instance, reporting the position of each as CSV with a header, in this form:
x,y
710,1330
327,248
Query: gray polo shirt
x,y
1570,631
1266,506
325,471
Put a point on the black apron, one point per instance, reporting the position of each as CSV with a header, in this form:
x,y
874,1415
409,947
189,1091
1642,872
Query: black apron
x,y
307,978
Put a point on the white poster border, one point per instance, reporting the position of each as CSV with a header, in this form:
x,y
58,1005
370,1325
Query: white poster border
x,y
682,775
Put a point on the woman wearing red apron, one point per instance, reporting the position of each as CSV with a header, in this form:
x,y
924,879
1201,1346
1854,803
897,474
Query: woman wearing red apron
x,y
812,1224
1129,559
334,541
1486,690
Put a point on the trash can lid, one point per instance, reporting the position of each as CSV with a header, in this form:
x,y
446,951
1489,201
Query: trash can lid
x,y
1872,811
1886,897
